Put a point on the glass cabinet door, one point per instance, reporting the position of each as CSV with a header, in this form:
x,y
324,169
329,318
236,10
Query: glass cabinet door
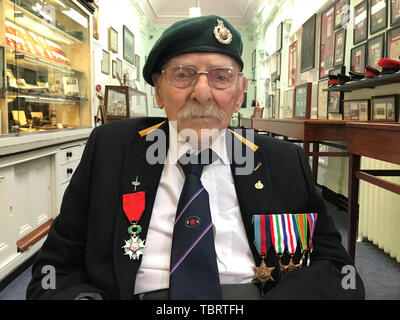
x,y
47,66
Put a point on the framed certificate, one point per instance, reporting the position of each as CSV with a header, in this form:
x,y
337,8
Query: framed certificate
x,y
377,15
384,108
128,45
253,60
292,69
302,101
278,64
289,100
340,47
277,101
357,58
279,36
342,13
360,22
112,40
327,42
322,99
356,110
393,43
105,62
394,12
375,50
335,102
308,45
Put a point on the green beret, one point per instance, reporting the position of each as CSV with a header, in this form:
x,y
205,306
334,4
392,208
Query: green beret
x,y
201,34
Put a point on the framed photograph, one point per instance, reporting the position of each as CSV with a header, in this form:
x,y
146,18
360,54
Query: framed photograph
x,y
277,103
95,21
137,65
128,45
278,64
289,101
279,36
105,62
356,110
118,67
322,99
394,12
114,68
327,42
378,15
258,113
253,60
384,108
375,50
308,44
271,107
360,22
342,13
393,43
340,48
302,101
357,58
335,102
112,40
292,69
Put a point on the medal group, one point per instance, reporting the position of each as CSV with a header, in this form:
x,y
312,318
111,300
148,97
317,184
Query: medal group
x,y
284,232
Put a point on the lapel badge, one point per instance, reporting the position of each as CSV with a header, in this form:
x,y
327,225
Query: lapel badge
x,y
136,183
259,185
222,33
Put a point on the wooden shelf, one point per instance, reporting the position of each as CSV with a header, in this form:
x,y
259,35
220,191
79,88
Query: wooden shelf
x,y
368,83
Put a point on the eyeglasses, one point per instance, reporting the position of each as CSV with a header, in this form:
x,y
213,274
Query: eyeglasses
x,y
184,77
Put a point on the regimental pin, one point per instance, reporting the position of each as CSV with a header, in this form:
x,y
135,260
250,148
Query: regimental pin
x,y
136,183
258,166
259,185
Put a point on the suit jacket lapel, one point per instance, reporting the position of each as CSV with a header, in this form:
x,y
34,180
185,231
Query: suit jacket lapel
x,y
136,165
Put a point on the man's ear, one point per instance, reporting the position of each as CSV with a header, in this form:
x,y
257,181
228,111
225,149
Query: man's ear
x,y
157,90
240,97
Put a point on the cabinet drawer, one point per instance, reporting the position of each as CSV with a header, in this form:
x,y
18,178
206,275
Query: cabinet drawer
x,y
70,154
67,169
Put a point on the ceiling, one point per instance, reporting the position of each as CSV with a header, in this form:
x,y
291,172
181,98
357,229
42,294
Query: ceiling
x,y
166,12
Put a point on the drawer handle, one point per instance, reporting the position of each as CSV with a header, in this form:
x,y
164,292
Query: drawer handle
x,y
70,170
69,154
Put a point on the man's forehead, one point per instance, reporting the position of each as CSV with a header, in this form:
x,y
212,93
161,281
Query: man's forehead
x,y
203,59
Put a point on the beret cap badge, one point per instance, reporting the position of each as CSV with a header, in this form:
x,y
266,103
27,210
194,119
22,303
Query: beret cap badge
x,y
222,33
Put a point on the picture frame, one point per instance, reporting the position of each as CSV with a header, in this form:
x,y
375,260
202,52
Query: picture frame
x,y
137,65
277,101
393,43
292,64
327,42
271,106
342,13
118,67
96,34
384,108
105,62
289,102
322,112
334,102
278,64
394,12
358,58
340,48
258,113
279,36
308,44
378,15
112,40
360,32
114,68
302,101
375,50
356,110
128,45
253,60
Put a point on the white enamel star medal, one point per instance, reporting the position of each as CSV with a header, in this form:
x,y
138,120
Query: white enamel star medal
x,y
134,247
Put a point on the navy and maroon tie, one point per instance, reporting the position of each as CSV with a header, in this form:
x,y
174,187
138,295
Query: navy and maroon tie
x,y
193,270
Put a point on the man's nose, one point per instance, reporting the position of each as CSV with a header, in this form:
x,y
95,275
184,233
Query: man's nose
x,y
201,89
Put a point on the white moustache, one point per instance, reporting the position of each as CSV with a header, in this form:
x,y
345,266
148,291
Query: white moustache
x,y
196,110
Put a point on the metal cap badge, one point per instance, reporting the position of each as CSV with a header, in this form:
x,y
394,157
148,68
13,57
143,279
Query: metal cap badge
x,y
222,33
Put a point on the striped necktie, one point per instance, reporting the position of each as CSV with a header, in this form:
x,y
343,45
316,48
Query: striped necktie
x,y
193,270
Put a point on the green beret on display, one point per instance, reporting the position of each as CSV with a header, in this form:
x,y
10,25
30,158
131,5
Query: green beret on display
x,y
201,34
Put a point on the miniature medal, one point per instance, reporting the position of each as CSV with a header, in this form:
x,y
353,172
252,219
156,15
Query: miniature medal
x,y
133,205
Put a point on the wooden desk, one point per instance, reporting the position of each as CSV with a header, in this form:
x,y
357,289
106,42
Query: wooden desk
x,y
374,140
246,123
308,131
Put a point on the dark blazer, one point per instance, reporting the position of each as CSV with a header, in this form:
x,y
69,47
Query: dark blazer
x,y
85,241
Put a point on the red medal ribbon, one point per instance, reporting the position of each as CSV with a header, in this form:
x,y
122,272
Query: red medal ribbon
x,y
133,205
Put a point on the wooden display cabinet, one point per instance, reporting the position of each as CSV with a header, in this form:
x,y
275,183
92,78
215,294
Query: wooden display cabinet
x,y
123,102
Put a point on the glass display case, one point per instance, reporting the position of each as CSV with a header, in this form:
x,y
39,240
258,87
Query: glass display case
x,y
46,64
122,102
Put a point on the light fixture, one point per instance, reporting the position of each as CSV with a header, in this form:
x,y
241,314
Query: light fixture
x,y
195,11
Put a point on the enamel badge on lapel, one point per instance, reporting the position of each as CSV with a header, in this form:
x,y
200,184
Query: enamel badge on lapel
x,y
133,205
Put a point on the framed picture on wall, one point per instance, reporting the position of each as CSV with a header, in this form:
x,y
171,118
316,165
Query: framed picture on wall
x,y
322,99
277,103
360,22
335,102
278,64
394,12
308,44
112,40
114,68
292,68
137,65
302,101
375,50
95,21
342,13
253,60
118,67
340,47
128,45
356,110
105,62
327,42
393,43
279,36
378,15
384,108
289,100
357,58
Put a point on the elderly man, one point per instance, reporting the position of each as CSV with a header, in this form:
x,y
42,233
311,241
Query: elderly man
x,y
184,208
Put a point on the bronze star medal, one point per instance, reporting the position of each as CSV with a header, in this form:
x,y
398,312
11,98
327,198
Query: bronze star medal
x,y
263,273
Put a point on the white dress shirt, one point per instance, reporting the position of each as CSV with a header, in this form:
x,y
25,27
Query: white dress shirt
x,y
234,257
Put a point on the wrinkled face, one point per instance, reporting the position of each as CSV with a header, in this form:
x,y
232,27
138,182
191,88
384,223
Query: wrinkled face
x,y
200,106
